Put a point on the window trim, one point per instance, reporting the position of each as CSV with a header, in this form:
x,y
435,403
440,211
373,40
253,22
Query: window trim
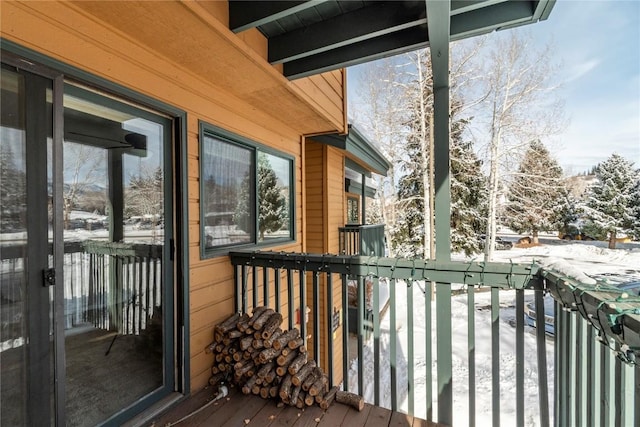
x,y
212,131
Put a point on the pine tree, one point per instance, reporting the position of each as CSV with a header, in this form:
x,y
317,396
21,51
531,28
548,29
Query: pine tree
x,y
468,196
272,204
610,200
635,204
12,189
537,193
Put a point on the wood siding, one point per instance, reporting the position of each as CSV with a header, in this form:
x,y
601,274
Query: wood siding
x,y
324,175
182,54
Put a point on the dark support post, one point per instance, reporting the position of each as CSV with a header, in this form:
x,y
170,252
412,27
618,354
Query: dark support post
x,y
316,317
520,356
330,328
116,234
345,331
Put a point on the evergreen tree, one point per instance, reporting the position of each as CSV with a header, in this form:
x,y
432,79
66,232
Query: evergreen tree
x,y
12,190
468,186
635,204
272,204
610,200
537,194
468,196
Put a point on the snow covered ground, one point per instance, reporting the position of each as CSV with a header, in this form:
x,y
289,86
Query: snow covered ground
x,y
581,259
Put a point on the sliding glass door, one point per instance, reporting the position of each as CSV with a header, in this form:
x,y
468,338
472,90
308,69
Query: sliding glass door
x,y
86,277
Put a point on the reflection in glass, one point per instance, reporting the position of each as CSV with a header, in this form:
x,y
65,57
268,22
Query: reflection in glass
x,y
13,236
227,193
274,183
114,233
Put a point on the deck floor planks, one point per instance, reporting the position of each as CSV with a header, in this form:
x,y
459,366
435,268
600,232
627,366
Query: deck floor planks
x,y
238,407
378,417
355,418
333,416
250,406
309,416
269,412
234,409
401,420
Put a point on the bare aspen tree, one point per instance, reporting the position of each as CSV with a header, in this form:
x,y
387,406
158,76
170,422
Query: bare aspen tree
x,y
520,107
82,169
380,113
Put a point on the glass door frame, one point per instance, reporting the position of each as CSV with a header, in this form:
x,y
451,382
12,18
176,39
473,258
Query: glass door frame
x,y
176,365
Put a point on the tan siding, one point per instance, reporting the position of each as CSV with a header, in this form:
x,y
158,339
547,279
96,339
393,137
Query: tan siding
x,y
200,67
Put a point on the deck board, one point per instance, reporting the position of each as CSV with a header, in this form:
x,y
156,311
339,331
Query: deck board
x,y
238,410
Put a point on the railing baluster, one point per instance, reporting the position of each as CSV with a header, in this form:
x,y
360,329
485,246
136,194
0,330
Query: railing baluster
x,y
591,378
316,317
393,336
636,395
579,377
471,346
329,314
254,286
265,285
445,386
345,331
276,281
619,390
147,291
361,311
520,356
543,391
302,310
376,341
605,389
428,295
495,356
410,350
290,297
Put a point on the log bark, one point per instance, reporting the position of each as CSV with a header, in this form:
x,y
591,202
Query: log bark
x,y
264,369
268,343
285,360
293,344
309,400
319,386
257,344
216,379
351,399
257,311
297,363
245,343
328,398
270,326
284,339
312,378
268,354
260,321
228,324
302,374
246,388
234,334
295,391
285,388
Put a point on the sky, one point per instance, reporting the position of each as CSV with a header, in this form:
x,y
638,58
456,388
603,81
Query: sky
x,y
597,44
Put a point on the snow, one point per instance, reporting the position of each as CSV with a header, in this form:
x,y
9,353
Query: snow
x,y
583,261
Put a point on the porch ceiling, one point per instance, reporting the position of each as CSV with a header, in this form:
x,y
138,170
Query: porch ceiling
x,y
314,36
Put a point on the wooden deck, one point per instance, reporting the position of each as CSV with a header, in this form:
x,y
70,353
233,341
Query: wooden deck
x,y
239,410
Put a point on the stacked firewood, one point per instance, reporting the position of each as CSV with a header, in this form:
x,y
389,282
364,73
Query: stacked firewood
x,y
261,358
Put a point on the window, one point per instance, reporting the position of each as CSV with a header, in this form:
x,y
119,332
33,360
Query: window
x,y
246,192
353,210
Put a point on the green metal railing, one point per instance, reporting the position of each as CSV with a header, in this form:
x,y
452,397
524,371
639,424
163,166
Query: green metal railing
x,y
366,240
597,353
597,342
411,283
